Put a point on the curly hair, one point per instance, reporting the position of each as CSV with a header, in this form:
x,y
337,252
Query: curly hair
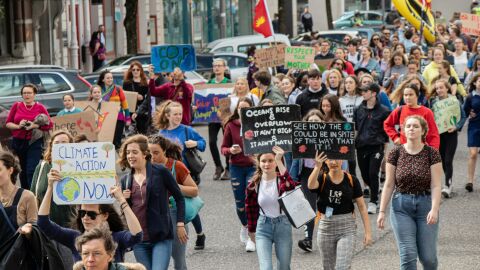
x,y
172,150
142,142
9,160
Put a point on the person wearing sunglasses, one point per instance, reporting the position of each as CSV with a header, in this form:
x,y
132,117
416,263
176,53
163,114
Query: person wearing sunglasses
x,y
90,216
135,80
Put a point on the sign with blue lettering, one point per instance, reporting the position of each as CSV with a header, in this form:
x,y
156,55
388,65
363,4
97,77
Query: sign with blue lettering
x,y
166,58
87,170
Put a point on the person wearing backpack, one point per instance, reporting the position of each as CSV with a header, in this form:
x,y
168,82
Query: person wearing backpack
x,y
337,191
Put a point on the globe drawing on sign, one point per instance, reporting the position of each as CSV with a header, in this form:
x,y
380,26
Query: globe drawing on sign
x,y
68,189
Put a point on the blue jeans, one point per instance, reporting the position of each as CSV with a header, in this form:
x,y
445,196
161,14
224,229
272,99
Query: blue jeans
x,y
288,160
178,249
29,155
154,256
276,231
240,177
414,237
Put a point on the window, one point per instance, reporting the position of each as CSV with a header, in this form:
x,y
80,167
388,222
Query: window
x,y
374,17
10,84
48,82
225,49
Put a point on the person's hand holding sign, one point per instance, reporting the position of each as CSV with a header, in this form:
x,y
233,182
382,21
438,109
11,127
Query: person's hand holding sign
x,y
53,176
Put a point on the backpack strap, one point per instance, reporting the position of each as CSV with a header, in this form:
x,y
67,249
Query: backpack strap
x,y
18,195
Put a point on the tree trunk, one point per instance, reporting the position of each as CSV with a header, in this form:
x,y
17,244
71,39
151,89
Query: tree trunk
x,y
328,7
130,23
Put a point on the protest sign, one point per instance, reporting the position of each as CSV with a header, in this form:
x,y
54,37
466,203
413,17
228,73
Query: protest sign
x,y
165,58
337,140
206,99
447,113
323,64
131,100
424,63
87,171
265,127
299,57
470,24
106,118
270,57
224,108
78,123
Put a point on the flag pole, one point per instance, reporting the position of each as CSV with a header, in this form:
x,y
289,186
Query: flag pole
x,y
273,31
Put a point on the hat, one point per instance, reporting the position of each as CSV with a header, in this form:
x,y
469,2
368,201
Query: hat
x,y
362,69
374,87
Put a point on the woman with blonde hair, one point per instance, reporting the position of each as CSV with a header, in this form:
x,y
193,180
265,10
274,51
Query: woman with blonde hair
x,y
241,90
334,80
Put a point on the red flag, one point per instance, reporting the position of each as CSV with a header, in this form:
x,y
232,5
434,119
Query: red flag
x,y
261,21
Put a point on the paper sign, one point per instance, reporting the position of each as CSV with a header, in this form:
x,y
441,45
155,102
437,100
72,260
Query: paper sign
x,y
265,127
131,100
337,140
470,24
270,57
206,99
106,118
323,64
224,109
87,170
299,57
447,113
166,58
78,123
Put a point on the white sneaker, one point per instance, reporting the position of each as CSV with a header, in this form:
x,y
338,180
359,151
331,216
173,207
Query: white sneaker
x,y
447,192
372,208
244,234
250,247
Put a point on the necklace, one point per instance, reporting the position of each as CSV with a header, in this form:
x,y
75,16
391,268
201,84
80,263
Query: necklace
x,y
6,201
28,109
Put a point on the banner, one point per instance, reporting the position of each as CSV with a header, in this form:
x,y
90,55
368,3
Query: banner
x,y
166,58
207,100
78,123
299,57
270,57
337,140
470,24
447,113
106,118
131,100
265,127
87,171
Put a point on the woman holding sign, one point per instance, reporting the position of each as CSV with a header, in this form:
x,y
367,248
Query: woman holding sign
x,y
266,222
90,216
448,138
337,191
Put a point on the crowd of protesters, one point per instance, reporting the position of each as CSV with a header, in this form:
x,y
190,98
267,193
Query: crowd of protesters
x,y
378,84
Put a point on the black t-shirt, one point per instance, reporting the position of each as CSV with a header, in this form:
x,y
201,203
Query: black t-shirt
x,y
337,196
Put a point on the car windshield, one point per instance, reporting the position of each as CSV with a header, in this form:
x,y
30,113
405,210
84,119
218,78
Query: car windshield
x,y
117,61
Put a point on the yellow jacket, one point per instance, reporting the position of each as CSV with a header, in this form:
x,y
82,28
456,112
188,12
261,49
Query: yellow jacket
x,y
259,93
431,72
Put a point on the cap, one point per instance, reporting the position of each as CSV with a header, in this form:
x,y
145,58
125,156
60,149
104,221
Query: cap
x,y
362,69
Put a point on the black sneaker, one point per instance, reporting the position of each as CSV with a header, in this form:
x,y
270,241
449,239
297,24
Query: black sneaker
x,y
366,193
305,244
200,243
469,187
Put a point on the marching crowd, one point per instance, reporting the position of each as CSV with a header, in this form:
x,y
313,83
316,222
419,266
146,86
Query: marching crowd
x,y
376,84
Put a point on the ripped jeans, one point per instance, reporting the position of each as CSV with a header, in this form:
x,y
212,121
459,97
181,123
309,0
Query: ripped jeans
x,y
240,178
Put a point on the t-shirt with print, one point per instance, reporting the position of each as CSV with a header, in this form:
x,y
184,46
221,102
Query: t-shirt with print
x,y
337,196
412,172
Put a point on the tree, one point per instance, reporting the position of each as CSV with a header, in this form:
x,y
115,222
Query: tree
x,y
328,7
107,147
60,163
130,23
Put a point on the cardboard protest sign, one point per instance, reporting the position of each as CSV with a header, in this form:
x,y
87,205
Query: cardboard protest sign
x,y
299,57
447,113
131,100
78,123
265,127
165,58
87,170
323,64
337,140
224,108
270,57
206,99
106,118
470,24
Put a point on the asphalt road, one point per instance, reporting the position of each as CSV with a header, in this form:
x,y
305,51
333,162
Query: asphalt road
x,y
458,245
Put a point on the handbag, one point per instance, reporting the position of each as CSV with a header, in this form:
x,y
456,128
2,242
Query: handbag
x,y
196,164
296,207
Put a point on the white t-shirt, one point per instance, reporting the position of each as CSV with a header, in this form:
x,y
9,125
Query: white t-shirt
x,y
234,101
348,104
461,63
268,198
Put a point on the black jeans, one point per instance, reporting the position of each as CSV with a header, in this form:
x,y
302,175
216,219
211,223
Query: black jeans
x,y
369,162
213,129
448,146
117,137
29,155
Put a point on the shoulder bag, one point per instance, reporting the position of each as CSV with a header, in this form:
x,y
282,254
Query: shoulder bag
x,y
196,164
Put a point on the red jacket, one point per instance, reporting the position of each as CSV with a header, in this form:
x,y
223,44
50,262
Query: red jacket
x,y
183,93
433,138
251,201
231,137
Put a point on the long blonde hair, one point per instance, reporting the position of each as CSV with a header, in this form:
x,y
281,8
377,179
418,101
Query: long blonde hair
x,y
160,119
235,92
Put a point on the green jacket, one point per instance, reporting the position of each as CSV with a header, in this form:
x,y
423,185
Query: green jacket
x,y
274,94
60,214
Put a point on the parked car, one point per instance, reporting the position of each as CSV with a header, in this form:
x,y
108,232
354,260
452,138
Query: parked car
x,y
237,64
369,18
241,44
5,134
362,32
52,82
331,35
126,60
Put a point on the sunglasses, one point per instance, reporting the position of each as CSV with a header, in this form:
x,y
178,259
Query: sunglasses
x,y
92,214
135,69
